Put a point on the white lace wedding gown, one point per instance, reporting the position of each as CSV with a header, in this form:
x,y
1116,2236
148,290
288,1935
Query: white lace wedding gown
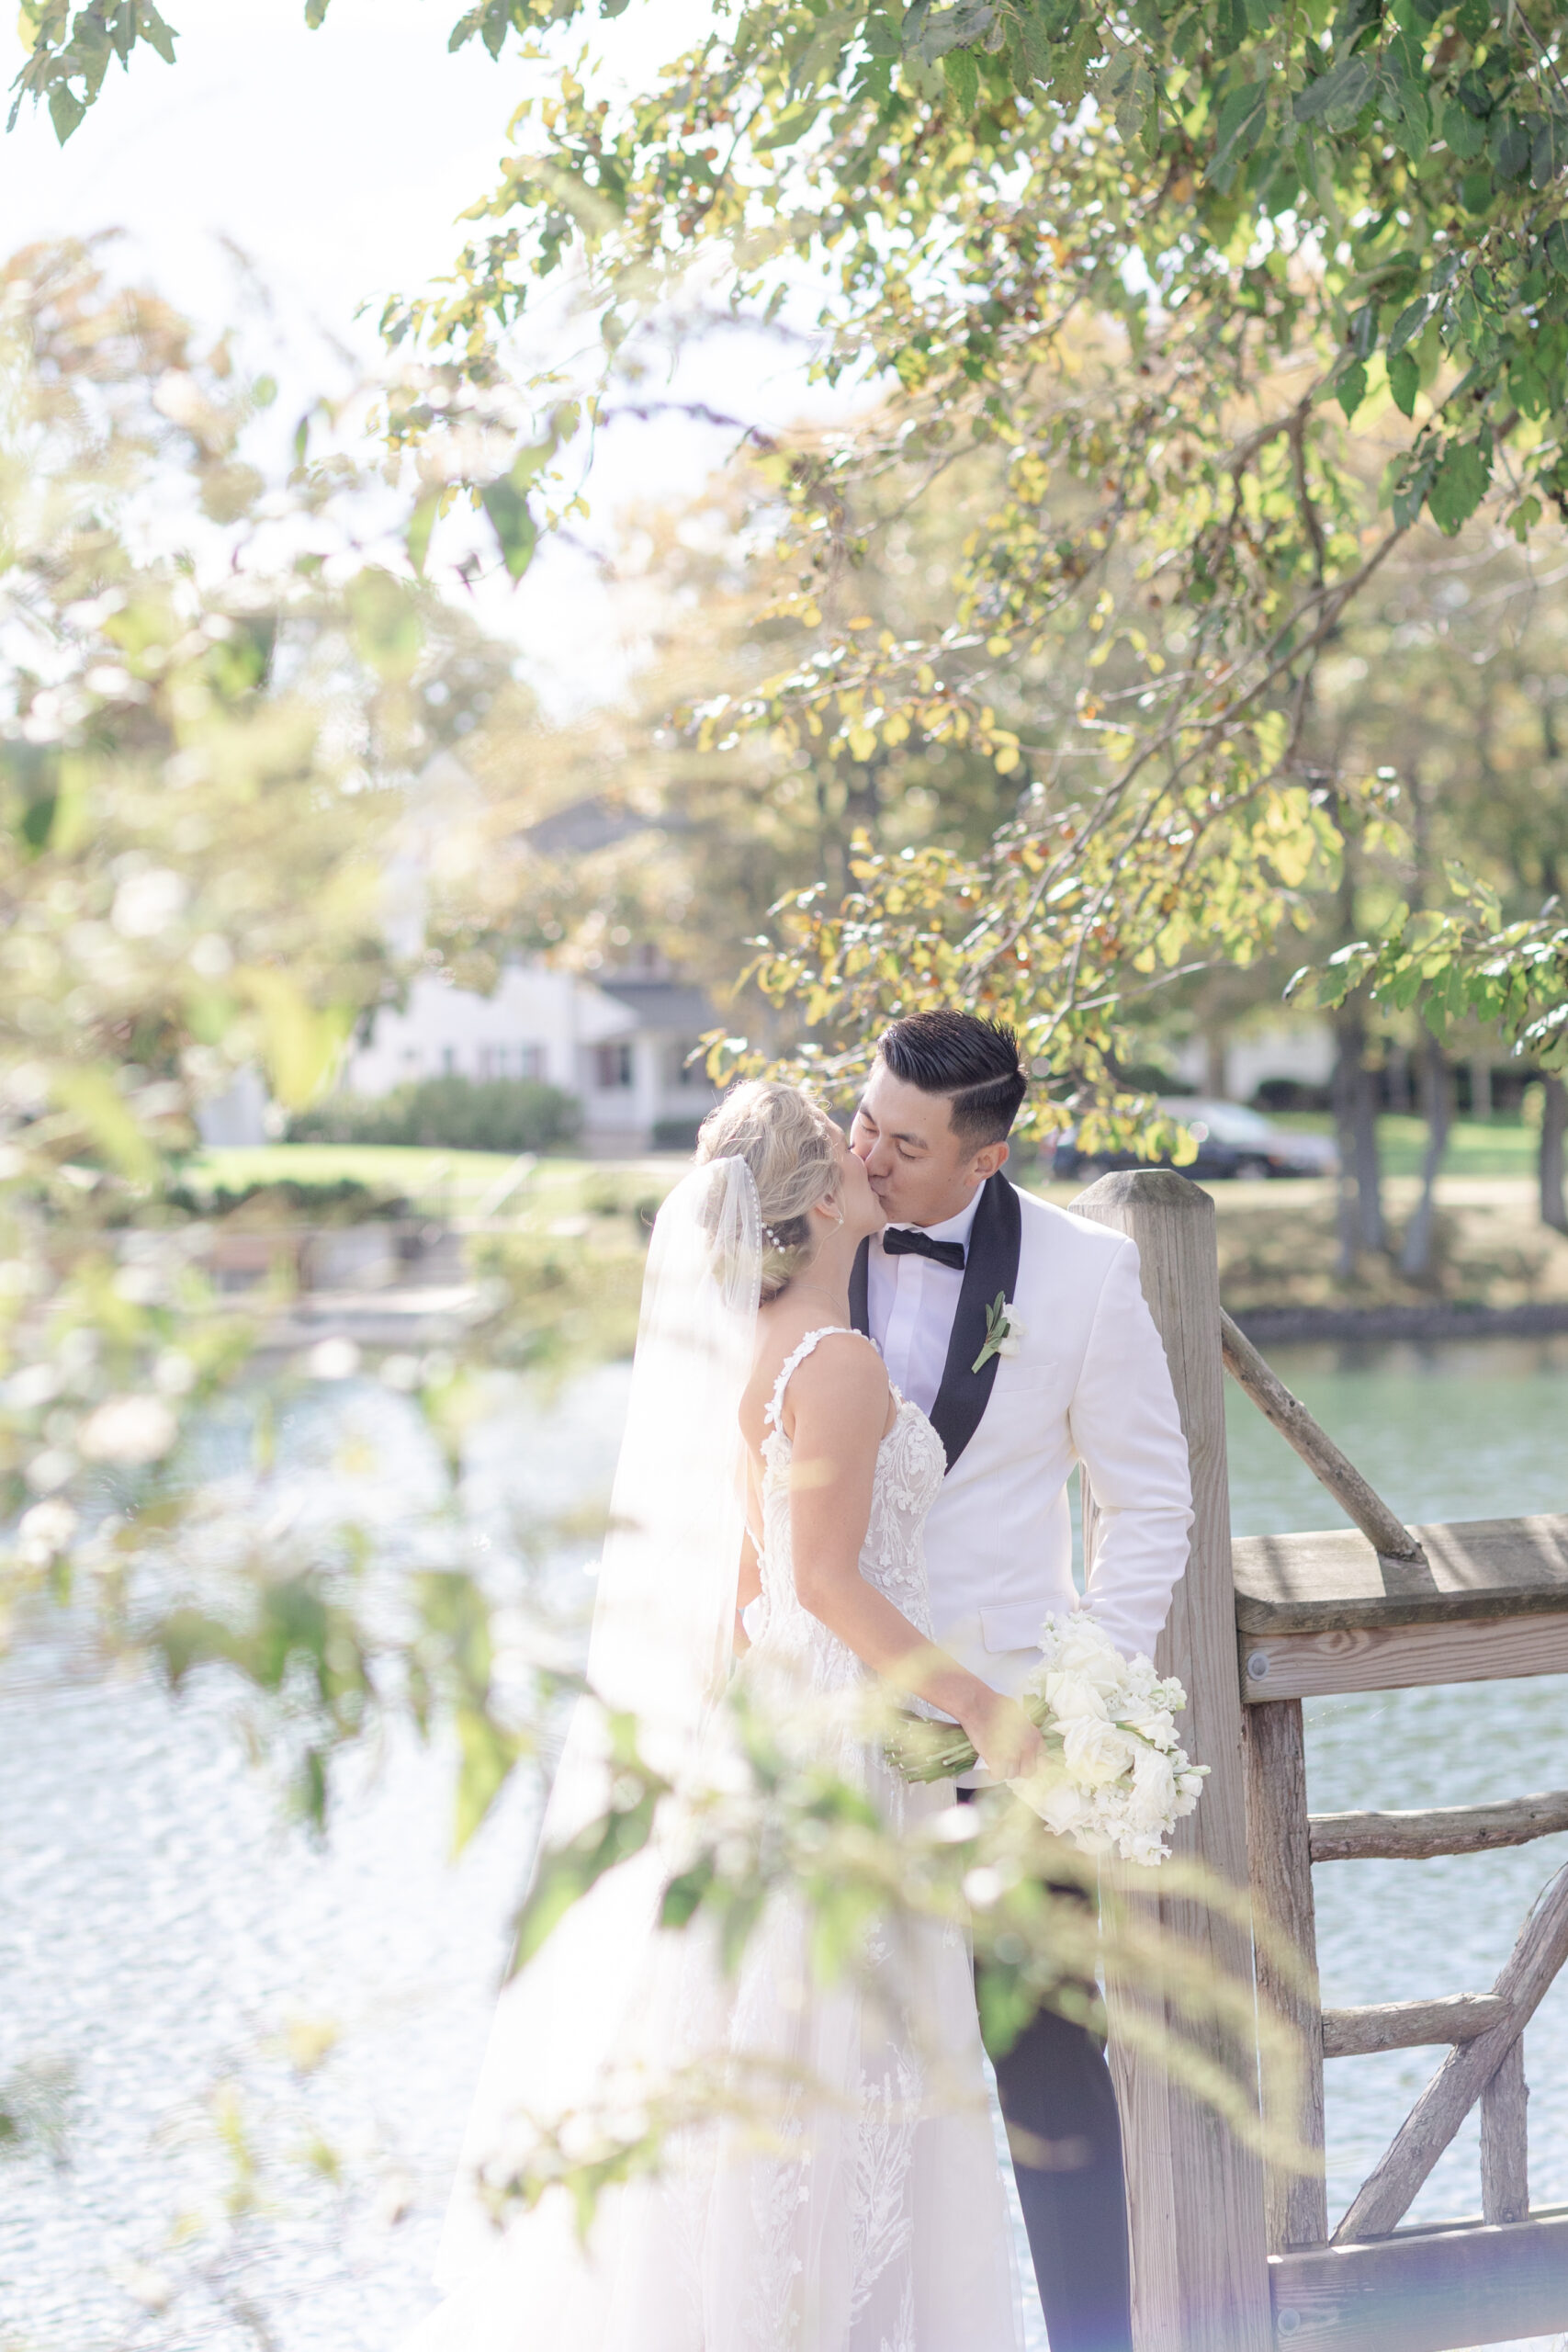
x,y
870,2215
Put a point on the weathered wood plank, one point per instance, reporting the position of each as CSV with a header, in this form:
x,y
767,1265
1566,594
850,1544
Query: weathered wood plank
x,y
1295,2205
1195,2193
1425,2290
1386,2194
1478,1567
1505,2142
1383,1530
1451,1829
1409,2025
1400,1657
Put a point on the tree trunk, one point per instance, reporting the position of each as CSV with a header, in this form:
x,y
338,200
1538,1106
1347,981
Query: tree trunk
x,y
1480,1087
1415,1258
1216,1053
1399,1098
1355,1125
1553,1127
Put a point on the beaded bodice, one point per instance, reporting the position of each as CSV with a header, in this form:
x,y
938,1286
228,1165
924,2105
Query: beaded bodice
x,y
910,1469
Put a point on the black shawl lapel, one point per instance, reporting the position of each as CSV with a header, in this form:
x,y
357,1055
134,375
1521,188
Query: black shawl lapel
x,y
859,1289
995,1239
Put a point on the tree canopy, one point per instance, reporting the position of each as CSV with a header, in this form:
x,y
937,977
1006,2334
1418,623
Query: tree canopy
x,y
1233,294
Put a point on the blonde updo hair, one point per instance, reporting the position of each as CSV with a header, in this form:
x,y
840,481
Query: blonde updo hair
x,y
792,1146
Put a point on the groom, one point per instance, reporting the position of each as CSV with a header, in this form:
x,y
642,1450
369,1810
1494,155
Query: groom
x,y
1088,1382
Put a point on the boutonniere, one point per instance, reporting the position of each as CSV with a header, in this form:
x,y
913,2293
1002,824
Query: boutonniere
x,y
1004,1331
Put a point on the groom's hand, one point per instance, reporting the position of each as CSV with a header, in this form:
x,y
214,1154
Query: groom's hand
x,y
1007,1743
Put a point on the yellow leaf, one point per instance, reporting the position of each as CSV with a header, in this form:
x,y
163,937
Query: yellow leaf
x,y
860,620
301,1045
97,1102
862,742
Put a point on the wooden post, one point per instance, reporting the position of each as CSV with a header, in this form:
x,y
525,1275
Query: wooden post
x,y
1279,1846
1199,2248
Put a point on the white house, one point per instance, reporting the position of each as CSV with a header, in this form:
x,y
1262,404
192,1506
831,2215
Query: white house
x,y
619,1045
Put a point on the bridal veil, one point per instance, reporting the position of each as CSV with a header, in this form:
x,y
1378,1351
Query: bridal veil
x,y
661,1650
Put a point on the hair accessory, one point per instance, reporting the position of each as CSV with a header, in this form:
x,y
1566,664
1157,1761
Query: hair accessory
x,y
772,1238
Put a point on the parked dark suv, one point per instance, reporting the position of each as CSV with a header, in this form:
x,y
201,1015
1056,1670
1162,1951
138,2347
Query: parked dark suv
x,y
1232,1141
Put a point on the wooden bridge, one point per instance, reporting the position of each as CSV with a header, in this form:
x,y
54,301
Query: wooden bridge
x,y
1229,2255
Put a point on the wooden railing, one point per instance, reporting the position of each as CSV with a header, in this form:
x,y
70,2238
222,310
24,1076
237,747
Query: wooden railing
x,y
1230,2255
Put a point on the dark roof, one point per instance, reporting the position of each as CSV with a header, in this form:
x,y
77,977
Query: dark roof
x,y
586,826
664,1004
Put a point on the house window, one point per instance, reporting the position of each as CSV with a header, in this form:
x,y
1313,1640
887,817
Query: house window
x,y
687,1072
531,1061
612,1066
448,1060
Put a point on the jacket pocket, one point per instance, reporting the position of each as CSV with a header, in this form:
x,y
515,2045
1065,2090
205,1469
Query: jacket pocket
x,y
1012,1625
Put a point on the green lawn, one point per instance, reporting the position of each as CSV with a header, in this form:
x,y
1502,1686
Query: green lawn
x,y
435,1181
1476,1147
455,1183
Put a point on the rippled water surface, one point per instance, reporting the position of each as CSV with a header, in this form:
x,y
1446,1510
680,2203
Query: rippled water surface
x,y
259,2052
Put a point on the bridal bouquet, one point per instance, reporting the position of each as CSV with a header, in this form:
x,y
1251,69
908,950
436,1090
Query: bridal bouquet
x,y
1113,1778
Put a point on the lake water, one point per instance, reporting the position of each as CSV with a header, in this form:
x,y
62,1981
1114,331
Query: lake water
x,y
257,2053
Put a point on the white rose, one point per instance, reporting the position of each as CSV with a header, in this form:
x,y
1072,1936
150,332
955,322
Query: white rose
x,y
1142,1845
1085,1649
1068,1696
1153,1800
1094,1750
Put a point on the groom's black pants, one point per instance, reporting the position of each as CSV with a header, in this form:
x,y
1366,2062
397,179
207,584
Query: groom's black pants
x,y
1060,2108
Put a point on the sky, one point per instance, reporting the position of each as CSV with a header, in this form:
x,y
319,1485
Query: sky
x,y
338,161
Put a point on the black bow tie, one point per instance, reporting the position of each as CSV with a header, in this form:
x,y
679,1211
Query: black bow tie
x,y
906,1241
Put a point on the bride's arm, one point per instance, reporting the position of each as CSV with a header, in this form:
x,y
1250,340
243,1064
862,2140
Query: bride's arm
x,y
838,1403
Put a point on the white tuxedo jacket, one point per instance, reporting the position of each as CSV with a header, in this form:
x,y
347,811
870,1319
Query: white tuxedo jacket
x,y
1090,1384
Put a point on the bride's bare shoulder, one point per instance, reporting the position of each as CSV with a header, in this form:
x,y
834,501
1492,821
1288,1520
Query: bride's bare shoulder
x,y
841,1370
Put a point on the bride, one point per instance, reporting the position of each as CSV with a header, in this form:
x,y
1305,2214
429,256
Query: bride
x,y
765,1530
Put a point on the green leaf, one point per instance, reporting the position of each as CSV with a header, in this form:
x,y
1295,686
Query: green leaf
x,y
1241,118
963,77
1548,153
516,532
1403,382
1337,97
1408,324
1509,146
1460,482
1556,248
1473,19
1465,135
421,522
65,110
1351,390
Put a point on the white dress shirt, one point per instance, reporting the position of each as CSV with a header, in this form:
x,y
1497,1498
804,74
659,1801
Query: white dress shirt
x,y
910,1304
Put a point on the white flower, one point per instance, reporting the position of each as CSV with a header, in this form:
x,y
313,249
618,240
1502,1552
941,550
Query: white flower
x,y
1083,1648
1061,1804
45,1531
1152,1801
128,1429
147,903
1094,1751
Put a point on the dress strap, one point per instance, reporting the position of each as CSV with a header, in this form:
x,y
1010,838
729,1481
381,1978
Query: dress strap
x,y
795,1359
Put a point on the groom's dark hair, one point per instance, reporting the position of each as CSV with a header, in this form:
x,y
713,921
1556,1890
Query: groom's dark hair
x,y
974,1063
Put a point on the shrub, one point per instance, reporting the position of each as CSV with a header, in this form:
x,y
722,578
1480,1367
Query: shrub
x,y
341,1200
454,1114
